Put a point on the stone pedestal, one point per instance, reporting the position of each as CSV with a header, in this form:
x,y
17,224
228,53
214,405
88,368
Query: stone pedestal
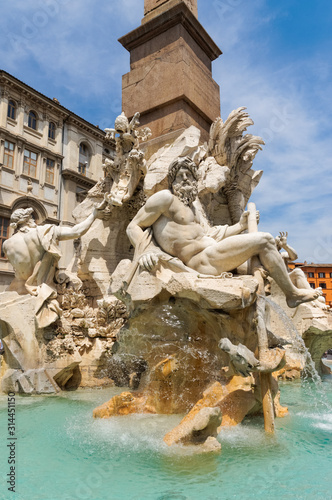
x,y
170,79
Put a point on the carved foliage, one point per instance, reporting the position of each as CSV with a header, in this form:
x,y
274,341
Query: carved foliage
x,y
231,148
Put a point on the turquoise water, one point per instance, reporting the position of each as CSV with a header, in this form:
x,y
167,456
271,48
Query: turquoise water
x,y
62,453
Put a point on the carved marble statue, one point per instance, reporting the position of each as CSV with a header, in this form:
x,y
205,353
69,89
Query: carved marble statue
x,y
296,275
34,252
179,230
129,164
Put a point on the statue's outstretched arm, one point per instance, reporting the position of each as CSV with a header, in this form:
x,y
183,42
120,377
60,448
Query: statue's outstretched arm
x,y
282,238
70,233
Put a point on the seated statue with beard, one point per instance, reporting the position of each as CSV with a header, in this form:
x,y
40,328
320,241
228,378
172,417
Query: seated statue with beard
x,y
180,230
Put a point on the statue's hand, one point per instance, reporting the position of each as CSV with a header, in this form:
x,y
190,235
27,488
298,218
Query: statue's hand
x,y
98,209
148,261
244,219
282,239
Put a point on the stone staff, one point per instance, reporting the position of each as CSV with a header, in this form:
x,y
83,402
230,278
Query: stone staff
x,y
265,378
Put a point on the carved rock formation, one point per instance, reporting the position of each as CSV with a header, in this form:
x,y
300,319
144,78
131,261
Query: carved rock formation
x,y
197,429
307,326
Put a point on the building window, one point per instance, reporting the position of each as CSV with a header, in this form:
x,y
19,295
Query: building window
x,y
330,275
4,225
30,163
32,121
322,285
321,275
311,275
8,157
82,169
312,285
51,130
83,164
80,194
49,171
11,113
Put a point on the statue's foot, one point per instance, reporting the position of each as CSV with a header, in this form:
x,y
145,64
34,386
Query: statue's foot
x,y
303,295
321,305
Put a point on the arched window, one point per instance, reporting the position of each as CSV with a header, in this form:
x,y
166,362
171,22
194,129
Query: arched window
x,y
11,113
84,159
51,130
32,121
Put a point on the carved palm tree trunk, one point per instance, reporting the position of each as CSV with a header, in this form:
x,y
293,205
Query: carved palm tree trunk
x,y
234,198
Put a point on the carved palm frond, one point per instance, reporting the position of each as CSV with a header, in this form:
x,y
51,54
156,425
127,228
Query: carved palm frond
x,y
231,148
245,152
223,135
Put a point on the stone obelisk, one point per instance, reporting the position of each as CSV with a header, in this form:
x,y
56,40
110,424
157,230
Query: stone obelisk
x,y
170,80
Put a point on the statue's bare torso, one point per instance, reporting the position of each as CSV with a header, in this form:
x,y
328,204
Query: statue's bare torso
x,y
178,230
24,250
27,246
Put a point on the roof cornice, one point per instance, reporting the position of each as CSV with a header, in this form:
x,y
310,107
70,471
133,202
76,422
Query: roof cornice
x,y
11,81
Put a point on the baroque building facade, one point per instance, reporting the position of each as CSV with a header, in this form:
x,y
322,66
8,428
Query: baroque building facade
x,y
49,158
318,275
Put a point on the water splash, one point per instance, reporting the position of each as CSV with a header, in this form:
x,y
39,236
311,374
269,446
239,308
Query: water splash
x,y
309,373
297,341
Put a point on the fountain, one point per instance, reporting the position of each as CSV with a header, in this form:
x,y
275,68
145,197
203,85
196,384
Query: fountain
x,y
185,331
187,348
168,296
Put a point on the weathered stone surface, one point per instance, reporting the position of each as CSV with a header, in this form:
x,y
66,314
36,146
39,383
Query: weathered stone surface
x,y
308,322
29,382
39,361
154,8
197,429
62,375
77,313
24,360
178,342
235,399
103,248
123,404
318,342
157,165
293,368
168,51
208,292
18,330
211,293
280,411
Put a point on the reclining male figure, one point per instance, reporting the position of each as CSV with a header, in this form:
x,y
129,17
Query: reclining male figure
x,y
179,230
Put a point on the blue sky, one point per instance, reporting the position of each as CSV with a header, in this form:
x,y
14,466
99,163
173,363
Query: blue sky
x,y
276,61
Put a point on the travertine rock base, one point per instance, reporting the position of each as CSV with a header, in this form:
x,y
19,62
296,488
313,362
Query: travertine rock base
x,y
309,322
196,430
